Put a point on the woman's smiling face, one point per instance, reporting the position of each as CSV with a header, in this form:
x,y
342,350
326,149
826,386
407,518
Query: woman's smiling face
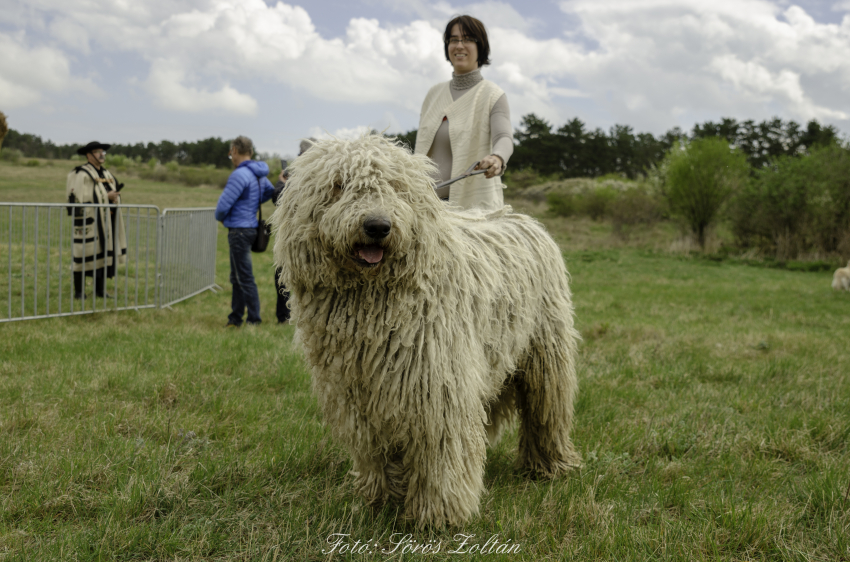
x,y
462,54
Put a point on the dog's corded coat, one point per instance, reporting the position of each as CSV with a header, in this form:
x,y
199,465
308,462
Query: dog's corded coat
x,y
417,358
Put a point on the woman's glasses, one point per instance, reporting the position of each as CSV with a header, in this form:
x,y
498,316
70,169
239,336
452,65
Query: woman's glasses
x,y
465,40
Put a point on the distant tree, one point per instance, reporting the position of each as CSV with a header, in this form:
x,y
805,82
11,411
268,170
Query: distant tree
x,y
766,141
408,138
701,178
797,204
537,147
817,136
573,151
4,128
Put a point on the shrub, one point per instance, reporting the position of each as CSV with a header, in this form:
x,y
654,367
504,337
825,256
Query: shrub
x,y
595,203
797,204
523,178
187,175
636,206
116,160
157,173
209,175
561,204
32,163
700,179
11,155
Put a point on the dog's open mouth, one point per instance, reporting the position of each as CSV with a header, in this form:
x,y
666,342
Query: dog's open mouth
x,y
367,255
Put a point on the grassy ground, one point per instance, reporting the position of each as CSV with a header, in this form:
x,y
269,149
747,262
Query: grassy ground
x,y
714,419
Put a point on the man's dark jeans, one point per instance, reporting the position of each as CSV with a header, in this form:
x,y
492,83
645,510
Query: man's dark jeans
x,y
242,276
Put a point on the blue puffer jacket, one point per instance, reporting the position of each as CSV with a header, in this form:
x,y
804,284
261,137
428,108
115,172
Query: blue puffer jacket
x,y
246,188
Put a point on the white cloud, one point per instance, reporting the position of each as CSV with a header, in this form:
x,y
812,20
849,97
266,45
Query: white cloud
x,y
652,64
26,73
343,133
660,63
165,85
70,34
492,12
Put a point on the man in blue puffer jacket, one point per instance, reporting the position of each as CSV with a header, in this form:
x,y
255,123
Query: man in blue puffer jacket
x,y
247,188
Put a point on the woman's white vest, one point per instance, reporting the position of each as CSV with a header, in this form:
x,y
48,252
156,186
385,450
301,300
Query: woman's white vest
x,y
98,240
469,134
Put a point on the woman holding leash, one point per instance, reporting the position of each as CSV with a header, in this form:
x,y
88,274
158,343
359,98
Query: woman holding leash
x,y
467,120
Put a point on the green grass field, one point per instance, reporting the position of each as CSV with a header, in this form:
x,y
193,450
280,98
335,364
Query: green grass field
x,y
714,419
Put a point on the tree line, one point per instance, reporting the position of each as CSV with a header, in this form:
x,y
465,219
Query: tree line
x,y
203,152
572,150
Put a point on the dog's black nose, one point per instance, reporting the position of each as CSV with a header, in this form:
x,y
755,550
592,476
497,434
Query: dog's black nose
x,y
377,228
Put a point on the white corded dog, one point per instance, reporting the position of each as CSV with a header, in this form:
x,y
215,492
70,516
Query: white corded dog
x,y
841,278
426,330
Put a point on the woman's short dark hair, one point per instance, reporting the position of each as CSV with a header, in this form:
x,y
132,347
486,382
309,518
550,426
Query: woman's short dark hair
x,y
473,28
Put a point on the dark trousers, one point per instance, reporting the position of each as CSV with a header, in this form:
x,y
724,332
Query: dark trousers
x,y
242,276
282,298
99,281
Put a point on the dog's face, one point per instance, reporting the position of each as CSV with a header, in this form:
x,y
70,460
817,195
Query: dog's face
x,y
353,212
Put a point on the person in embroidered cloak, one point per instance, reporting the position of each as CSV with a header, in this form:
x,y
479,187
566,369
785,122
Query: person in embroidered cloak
x,y
247,188
467,120
100,242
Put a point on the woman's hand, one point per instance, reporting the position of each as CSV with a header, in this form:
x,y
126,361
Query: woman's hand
x,y
113,196
493,164
282,177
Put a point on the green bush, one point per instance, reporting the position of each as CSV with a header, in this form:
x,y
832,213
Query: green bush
x,y
11,155
596,203
700,179
520,179
187,175
561,204
157,173
796,205
32,163
633,207
209,175
117,160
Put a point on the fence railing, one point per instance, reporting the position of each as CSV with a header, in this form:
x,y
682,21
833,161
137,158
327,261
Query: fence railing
x,y
169,258
187,254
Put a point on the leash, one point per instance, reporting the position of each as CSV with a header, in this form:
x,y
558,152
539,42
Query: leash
x,y
469,172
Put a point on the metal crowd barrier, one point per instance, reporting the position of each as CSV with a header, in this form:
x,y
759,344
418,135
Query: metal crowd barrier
x,y
187,254
169,258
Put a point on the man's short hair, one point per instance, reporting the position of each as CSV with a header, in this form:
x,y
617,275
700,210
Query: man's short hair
x,y
243,145
305,145
473,28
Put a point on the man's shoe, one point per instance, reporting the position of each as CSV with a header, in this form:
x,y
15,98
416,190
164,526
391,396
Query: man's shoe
x,y
231,325
79,296
257,323
102,295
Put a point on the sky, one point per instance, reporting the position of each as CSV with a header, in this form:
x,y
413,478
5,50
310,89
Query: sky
x,y
126,71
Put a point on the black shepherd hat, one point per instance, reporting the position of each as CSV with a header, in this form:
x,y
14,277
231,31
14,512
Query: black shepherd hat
x,y
93,145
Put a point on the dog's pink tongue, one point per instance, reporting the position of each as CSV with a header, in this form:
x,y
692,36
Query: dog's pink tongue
x,y
371,254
